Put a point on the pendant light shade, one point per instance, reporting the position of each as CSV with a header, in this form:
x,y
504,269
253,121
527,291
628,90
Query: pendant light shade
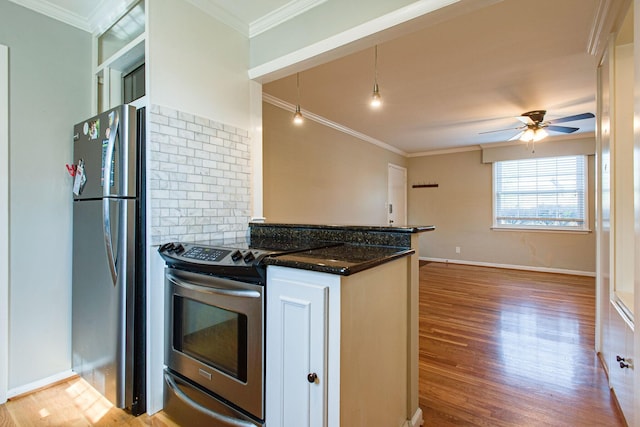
x,y
298,119
376,99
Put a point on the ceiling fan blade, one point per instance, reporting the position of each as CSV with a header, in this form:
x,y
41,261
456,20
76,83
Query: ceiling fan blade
x,y
563,129
516,136
501,130
572,118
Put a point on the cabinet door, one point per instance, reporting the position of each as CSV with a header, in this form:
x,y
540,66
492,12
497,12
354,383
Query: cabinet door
x,y
296,348
621,375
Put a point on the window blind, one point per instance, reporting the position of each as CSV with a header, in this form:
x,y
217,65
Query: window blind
x,y
541,193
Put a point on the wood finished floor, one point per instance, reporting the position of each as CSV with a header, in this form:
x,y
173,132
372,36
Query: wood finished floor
x,y
497,348
72,403
510,348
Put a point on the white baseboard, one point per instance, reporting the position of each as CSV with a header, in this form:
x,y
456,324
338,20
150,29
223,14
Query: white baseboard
x,y
512,266
416,420
27,388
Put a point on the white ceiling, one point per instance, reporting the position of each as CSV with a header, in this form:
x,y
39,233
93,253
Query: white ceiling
x,y
443,84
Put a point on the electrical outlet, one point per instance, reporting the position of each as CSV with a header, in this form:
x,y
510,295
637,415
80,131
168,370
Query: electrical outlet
x,y
457,249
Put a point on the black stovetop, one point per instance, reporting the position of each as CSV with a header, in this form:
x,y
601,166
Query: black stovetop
x,y
239,260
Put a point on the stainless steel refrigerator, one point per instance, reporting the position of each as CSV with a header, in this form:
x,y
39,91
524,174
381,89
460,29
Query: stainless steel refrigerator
x,y
108,291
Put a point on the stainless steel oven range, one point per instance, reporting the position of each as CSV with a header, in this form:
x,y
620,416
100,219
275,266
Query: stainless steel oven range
x,y
214,330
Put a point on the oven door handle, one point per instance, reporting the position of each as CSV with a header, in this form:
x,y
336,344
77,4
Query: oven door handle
x,y
227,421
212,290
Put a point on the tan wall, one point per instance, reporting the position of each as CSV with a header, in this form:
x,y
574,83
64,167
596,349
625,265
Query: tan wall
x,y
315,174
461,210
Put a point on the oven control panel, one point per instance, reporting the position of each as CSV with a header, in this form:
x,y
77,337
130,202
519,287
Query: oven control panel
x,y
210,255
241,264
206,254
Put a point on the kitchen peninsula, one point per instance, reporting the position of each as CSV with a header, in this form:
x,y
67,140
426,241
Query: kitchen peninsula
x,y
342,325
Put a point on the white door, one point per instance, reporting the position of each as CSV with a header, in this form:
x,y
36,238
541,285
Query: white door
x,y
397,195
4,222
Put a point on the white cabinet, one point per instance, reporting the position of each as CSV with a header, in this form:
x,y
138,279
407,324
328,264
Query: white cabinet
x,y
617,282
297,321
621,373
352,333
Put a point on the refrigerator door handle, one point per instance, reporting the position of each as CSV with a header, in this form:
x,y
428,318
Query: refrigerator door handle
x,y
106,220
106,185
108,158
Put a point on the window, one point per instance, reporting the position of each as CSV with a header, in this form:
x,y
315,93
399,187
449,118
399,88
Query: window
x,y
544,193
133,85
123,32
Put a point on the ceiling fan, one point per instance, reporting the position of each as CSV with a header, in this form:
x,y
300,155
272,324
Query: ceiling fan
x,y
534,127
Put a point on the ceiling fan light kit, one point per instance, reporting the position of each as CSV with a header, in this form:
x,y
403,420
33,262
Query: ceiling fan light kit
x,y
532,134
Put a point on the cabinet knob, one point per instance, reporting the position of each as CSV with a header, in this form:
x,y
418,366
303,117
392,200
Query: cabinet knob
x,y
312,377
624,363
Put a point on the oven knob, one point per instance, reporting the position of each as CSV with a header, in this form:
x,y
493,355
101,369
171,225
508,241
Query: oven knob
x,y
249,257
166,247
179,248
236,255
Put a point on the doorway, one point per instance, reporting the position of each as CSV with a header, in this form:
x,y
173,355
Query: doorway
x,y
396,195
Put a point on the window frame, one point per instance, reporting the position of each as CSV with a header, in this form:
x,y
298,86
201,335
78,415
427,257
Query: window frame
x,y
585,228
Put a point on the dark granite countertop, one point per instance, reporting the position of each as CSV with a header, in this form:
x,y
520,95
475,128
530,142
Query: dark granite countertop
x,y
337,249
355,234
342,259
377,228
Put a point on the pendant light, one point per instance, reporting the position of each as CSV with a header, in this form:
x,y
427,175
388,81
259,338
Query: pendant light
x,y
376,100
297,116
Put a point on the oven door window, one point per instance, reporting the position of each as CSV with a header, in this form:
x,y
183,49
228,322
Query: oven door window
x,y
211,335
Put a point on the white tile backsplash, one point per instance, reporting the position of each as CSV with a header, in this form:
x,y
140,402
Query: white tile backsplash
x,y
199,178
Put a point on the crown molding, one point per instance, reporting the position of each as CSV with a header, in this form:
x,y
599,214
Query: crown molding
x,y
107,13
99,20
51,10
608,15
331,124
446,151
260,25
222,15
281,15
597,28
